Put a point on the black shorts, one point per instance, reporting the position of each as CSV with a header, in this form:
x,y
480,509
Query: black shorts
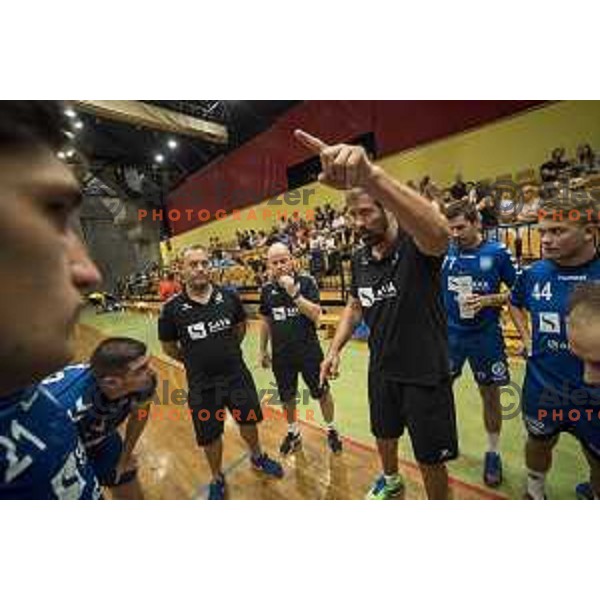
x,y
427,411
286,370
235,392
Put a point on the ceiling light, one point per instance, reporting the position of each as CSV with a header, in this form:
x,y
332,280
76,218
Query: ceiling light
x,y
159,158
70,153
61,155
78,125
70,113
172,144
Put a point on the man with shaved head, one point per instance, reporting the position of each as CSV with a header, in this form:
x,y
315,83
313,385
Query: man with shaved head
x,y
290,310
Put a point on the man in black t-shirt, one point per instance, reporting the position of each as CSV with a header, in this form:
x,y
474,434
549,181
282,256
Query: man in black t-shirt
x,y
203,327
290,309
396,288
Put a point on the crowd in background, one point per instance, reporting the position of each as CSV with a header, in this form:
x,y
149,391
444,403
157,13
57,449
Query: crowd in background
x,y
324,242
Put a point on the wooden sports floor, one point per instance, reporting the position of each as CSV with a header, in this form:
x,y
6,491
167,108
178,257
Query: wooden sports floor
x,y
171,466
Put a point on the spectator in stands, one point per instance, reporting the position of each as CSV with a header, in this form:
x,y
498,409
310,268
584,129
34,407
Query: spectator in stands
x,y
459,188
339,221
168,287
424,185
531,205
555,168
488,211
315,246
261,239
586,161
319,218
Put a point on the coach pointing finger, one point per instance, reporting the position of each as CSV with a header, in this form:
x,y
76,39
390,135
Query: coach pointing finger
x,y
395,289
345,167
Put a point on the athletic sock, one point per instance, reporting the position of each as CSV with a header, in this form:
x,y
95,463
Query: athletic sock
x,y
392,480
293,428
331,426
536,483
493,442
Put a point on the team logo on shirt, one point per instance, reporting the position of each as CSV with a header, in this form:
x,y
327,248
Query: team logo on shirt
x,y
281,313
499,369
486,263
197,331
368,296
549,322
201,330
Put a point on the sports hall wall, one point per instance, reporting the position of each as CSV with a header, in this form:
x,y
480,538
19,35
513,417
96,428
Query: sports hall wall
x,y
507,145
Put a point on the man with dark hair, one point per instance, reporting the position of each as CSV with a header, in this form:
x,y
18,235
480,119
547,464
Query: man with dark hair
x,y
116,386
203,327
290,310
396,287
472,273
556,167
48,269
556,398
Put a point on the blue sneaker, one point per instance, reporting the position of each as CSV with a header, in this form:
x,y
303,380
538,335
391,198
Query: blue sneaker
x,y
584,491
267,465
492,469
216,489
381,490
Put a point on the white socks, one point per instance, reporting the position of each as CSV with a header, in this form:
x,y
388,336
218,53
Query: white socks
x,y
392,479
293,428
493,442
536,484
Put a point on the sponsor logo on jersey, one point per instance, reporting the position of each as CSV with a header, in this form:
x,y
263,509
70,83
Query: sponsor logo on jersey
x,y
549,322
369,296
281,313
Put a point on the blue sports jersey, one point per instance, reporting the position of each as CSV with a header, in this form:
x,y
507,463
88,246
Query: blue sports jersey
x,y
543,290
41,455
480,271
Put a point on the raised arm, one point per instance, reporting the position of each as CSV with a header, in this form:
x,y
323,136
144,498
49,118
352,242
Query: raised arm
x,y
346,167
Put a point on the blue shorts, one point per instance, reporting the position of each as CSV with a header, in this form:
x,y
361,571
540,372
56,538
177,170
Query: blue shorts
x,y
486,353
104,459
547,415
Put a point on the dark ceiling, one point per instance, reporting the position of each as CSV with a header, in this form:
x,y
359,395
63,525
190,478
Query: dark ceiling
x,y
113,146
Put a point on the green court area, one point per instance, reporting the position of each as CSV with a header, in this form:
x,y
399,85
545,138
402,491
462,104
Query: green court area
x,y
350,392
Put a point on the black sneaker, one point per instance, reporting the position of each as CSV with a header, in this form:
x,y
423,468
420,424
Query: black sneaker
x,y
333,441
291,443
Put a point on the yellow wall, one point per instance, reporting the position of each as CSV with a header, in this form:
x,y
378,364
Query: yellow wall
x,y
506,146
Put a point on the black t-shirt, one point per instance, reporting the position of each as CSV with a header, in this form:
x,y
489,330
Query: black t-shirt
x,y
402,304
206,335
293,335
550,170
